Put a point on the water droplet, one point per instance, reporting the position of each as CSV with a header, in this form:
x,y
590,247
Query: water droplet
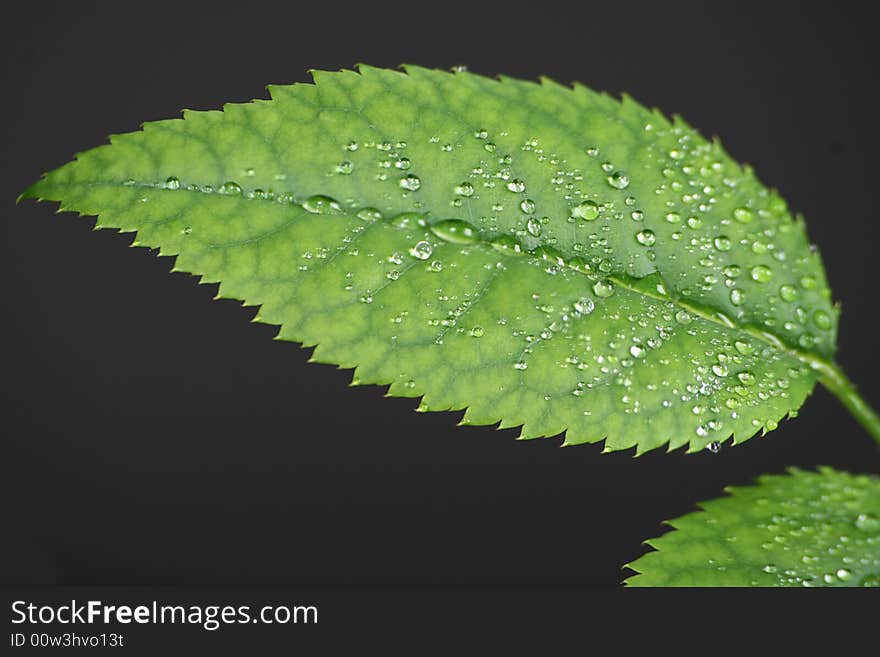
x,y
646,237
637,215
743,215
321,205
743,347
584,306
761,273
408,220
714,447
822,320
723,243
683,317
808,282
410,182
422,250
455,231
603,288
477,331
618,180
516,185
403,163
533,226
586,210
369,214
746,378
507,245
868,522
230,187
788,293
172,183
345,167
737,298
719,369
527,206
352,146
464,189
636,351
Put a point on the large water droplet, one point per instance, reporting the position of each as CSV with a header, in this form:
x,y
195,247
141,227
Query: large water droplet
x,y
761,273
586,210
321,205
410,182
231,188
455,231
743,215
646,237
464,189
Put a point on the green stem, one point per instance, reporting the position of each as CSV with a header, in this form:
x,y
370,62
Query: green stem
x,y
833,378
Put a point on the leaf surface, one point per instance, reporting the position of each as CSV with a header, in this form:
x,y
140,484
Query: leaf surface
x,y
541,256
800,529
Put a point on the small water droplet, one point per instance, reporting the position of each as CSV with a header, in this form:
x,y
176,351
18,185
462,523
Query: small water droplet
x,y
737,298
867,522
714,447
172,183
646,237
618,180
421,250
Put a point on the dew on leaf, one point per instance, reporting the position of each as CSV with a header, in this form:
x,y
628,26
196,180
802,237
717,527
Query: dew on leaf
x,y
516,185
172,183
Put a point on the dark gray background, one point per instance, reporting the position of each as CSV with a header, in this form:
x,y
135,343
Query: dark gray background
x,y
153,436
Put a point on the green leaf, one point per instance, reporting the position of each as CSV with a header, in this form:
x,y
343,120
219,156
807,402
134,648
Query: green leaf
x,y
801,529
539,255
